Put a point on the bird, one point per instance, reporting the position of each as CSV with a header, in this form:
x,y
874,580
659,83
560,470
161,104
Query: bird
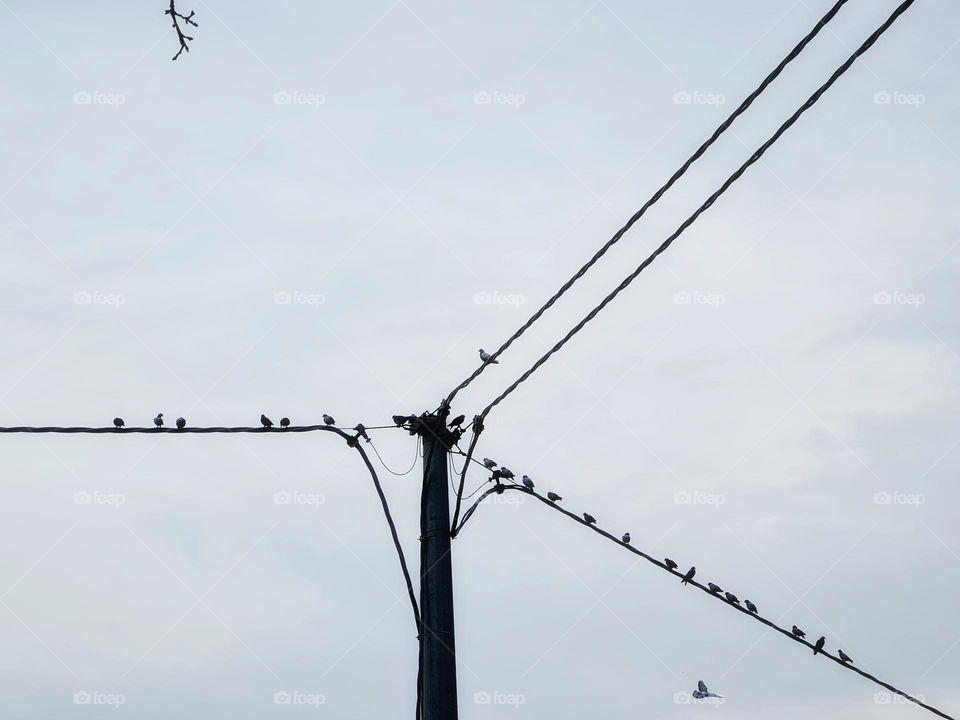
x,y
714,588
506,472
689,576
553,497
797,632
181,423
327,420
265,421
527,482
457,421
590,519
487,358
750,606
702,692
489,464
844,657
626,538
731,598
284,422
361,431
158,420
118,422
670,563
819,645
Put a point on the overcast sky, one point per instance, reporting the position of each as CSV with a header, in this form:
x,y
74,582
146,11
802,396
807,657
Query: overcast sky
x,y
330,207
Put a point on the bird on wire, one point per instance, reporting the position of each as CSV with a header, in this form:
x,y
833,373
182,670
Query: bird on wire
x,y
714,588
589,519
181,423
670,563
689,576
553,497
328,420
489,464
819,645
284,422
158,420
457,421
527,482
797,632
118,422
265,421
844,658
702,692
626,538
750,606
731,598
487,358
361,431
506,472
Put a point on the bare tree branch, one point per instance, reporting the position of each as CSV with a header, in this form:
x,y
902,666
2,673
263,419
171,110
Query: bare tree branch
x,y
187,20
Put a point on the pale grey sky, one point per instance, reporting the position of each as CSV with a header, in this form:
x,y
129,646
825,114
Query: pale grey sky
x,y
792,356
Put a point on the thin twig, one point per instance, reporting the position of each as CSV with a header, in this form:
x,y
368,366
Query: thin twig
x,y
188,20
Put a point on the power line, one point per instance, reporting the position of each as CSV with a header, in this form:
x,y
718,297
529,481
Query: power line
x,y
416,456
724,126
175,431
811,101
676,573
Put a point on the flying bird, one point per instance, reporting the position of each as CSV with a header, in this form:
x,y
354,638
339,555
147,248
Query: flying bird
x,y
362,432
457,421
750,606
265,421
626,538
731,598
488,358
670,563
181,423
689,576
158,420
714,588
844,657
797,632
284,422
589,518
819,646
553,497
489,464
327,420
118,423
701,693
527,482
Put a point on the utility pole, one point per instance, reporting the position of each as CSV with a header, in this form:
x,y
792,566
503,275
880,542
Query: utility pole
x,y
438,654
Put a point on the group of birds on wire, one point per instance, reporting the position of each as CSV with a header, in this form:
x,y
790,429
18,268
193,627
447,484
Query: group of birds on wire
x,y
265,422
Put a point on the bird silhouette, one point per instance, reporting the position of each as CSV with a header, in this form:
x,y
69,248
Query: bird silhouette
x,y
181,423
670,563
701,693
750,606
797,632
506,472
589,518
265,421
118,422
489,464
284,422
844,657
626,538
327,420
527,482
487,358
714,588
819,646
158,420
689,576
731,598
457,421
362,432
553,497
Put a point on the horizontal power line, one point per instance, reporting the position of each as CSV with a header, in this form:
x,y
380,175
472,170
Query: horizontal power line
x,y
177,431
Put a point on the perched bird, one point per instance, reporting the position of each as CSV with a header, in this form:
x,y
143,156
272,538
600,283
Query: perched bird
x,y
626,538
670,563
527,482
553,497
487,357
702,692
181,423
819,645
714,588
489,464
750,606
284,422
362,432
265,421
506,472
797,632
118,423
158,420
844,657
689,576
457,421
731,598
589,518
327,420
